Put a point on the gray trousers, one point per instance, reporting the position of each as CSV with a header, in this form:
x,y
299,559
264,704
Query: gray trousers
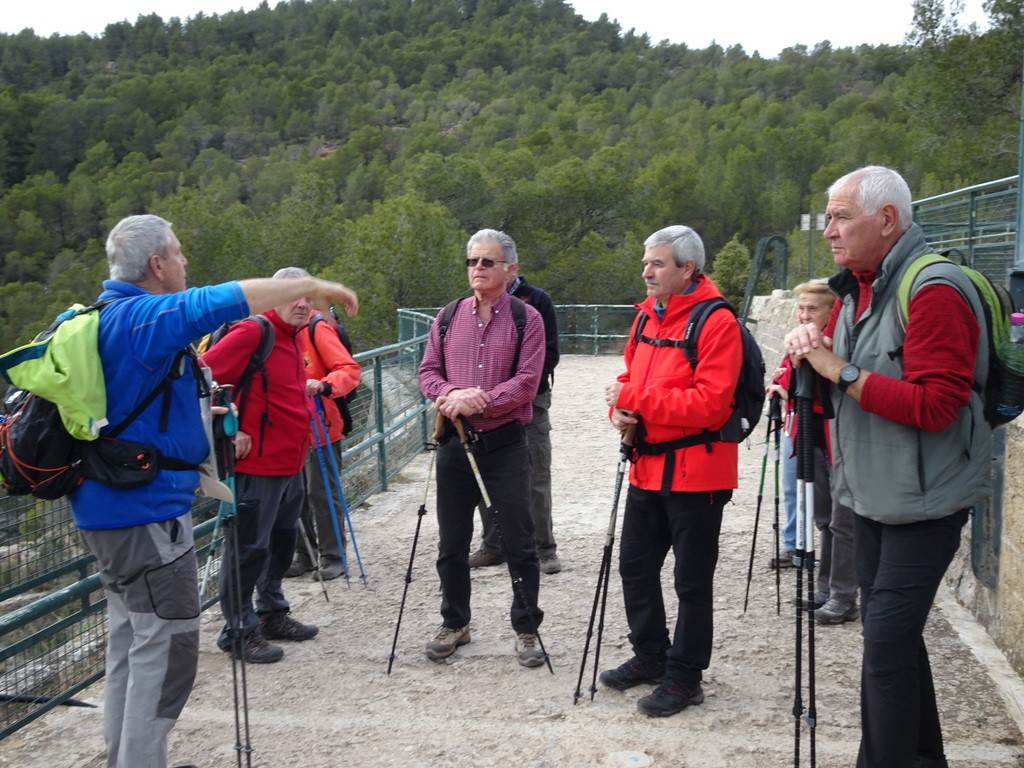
x,y
149,575
538,436
836,575
316,511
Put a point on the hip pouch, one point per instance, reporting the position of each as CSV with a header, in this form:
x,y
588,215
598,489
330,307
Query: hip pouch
x,y
125,463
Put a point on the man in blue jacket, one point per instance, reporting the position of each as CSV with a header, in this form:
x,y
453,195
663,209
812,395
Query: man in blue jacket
x,y
142,537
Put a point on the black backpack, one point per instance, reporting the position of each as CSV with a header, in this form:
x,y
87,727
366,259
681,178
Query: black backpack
x,y
38,456
341,401
748,397
256,364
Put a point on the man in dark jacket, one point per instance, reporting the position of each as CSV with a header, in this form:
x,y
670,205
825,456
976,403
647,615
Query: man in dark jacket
x,y
538,435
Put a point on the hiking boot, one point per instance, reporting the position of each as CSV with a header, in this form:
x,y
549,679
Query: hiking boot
x,y
528,652
670,698
300,565
931,762
785,559
331,570
281,626
836,612
820,598
550,563
484,557
446,641
256,650
634,672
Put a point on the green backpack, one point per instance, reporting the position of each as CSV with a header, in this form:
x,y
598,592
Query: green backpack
x,y
1003,389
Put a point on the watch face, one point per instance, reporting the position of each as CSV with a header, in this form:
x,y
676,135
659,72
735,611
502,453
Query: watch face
x,y
848,375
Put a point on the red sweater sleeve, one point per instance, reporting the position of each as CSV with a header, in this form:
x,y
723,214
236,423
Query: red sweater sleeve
x,y
938,364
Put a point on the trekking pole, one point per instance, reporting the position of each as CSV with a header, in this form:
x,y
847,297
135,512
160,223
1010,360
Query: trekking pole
x,y
603,574
341,493
420,513
314,423
213,549
225,428
805,378
803,558
517,581
309,551
774,411
778,456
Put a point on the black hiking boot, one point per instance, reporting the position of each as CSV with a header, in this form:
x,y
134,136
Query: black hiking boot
x,y
634,672
670,698
281,626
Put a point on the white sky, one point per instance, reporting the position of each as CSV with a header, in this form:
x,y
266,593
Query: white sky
x,y
754,24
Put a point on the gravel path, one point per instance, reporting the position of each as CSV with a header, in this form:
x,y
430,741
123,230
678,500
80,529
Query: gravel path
x,y
330,701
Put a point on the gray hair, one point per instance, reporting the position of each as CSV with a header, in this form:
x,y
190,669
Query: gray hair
x,y
132,242
877,186
508,245
291,273
686,245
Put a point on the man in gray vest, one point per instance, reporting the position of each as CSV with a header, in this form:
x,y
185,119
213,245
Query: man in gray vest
x,y
911,447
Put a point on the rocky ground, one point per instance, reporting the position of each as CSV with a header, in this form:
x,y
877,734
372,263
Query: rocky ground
x,y
331,702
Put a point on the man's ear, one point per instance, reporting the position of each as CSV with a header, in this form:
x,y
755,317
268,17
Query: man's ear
x,y
156,266
890,218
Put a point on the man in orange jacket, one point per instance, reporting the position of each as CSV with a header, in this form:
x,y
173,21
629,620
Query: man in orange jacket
x,y
331,373
675,496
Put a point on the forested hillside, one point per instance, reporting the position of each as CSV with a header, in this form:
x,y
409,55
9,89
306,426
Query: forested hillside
x,y
365,139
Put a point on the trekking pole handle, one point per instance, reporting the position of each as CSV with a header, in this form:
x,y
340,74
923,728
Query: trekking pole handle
x,y
775,407
225,425
461,429
804,376
438,426
629,435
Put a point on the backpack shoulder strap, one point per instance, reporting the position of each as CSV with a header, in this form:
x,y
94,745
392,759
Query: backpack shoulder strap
x,y
910,275
519,317
695,323
442,328
259,357
311,329
446,318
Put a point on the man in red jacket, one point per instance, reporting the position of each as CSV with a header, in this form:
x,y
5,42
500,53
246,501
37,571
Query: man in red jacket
x,y
270,450
675,496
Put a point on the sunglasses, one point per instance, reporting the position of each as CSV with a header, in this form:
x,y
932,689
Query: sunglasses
x,y
487,263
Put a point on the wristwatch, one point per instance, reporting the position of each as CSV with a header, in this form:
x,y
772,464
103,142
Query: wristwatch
x,y
849,374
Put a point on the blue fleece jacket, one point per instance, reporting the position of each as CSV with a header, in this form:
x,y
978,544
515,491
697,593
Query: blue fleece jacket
x,y
139,338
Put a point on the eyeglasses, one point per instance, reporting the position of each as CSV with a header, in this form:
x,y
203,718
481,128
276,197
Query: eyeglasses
x,y
487,263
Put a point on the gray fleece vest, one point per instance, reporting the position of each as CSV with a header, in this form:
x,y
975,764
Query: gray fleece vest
x,y
884,470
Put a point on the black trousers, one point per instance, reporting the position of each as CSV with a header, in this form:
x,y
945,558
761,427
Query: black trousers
x,y
689,524
506,476
899,568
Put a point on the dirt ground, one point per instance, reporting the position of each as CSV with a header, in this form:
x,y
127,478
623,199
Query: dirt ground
x,y
330,701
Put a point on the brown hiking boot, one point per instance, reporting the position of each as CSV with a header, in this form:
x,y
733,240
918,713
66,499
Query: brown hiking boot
x,y
446,641
484,557
528,652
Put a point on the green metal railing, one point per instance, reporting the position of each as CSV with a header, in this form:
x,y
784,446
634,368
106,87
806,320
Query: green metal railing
x,y
980,222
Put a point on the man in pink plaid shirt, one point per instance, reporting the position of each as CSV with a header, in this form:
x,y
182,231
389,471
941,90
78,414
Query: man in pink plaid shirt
x,y
484,376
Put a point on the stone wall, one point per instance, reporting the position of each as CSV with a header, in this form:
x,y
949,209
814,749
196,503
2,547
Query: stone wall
x,y
999,608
